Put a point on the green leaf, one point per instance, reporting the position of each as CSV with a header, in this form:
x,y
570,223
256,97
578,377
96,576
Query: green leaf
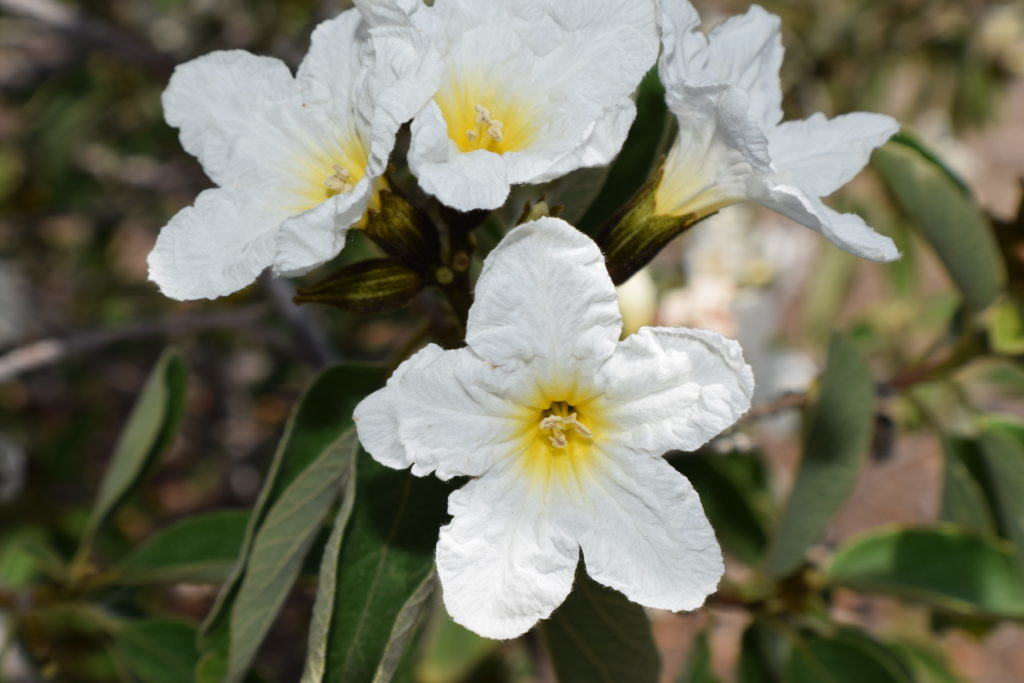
x,y
597,635
639,157
150,429
321,416
452,652
1003,453
963,498
840,660
280,547
385,573
158,650
198,549
838,438
733,489
945,567
323,609
374,286
949,220
698,669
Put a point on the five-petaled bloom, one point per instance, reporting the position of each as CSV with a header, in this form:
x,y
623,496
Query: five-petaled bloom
x,y
527,91
562,428
724,90
297,159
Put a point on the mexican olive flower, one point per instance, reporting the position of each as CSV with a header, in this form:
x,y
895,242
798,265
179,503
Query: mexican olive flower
x,y
297,159
562,428
724,89
528,91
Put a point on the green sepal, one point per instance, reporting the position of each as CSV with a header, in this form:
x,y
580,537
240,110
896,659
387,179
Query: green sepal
x,y
403,231
372,286
634,237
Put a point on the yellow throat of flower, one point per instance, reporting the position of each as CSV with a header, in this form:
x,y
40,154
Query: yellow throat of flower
x,y
481,117
561,441
329,171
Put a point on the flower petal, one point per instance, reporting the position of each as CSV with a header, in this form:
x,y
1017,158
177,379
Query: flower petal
x,y
647,534
820,155
717,154
847,231
213,98
336,59
674,388
508,557
744,51
446,412
463,181
213,248
557,74
314,237
545,299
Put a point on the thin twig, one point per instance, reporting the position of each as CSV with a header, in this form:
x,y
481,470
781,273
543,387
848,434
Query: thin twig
x,y
782,403
53,350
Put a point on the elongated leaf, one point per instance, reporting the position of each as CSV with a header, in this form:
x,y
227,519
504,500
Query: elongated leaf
x,y
733,489
597,635
841,660
323,609
1004,460
639,157
158,650
384,575
322,415
833,454
963,498
949,220
373,286
197,549
151,428
946,567
280,548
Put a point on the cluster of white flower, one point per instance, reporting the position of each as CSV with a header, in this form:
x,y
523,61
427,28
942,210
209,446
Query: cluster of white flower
x,y
560,425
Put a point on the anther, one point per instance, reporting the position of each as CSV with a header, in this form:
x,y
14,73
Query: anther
x,y
340,180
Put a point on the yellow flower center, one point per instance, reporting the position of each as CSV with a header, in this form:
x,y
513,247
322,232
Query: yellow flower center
x,y
689,186
329,170
561,440
484,117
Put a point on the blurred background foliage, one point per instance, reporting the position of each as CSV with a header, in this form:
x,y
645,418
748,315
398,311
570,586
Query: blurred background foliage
x,y
928,369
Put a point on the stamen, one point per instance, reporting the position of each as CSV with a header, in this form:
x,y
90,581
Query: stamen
x,y
559,425
340,181
486,125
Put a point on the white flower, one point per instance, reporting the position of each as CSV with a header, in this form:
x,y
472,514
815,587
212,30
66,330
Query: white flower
x,y
562,427
530,89
724,89
297,159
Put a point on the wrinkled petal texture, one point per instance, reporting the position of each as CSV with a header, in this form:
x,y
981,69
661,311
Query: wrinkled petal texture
x,y
558,73
674,388
448,413
737,150
544,299
275,141
508,557
545,324
647,535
